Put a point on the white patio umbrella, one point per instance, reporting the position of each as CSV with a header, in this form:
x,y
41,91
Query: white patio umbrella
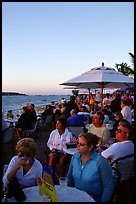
x,y
101,77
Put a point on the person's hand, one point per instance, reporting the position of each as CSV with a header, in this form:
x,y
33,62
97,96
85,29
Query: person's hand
x,y
21,162
17,166
73,140
54,150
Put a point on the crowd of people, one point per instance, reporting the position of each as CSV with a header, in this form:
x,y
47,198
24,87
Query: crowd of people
x,y
88,170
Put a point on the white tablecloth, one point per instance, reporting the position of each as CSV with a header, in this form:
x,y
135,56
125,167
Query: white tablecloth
x,y
70,150
64,193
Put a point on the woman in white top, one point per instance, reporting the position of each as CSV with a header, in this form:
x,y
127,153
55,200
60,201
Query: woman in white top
x,y
24,166
57,140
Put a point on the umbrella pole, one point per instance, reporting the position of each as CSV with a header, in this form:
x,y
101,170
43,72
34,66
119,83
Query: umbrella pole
x,y
102,95
89,94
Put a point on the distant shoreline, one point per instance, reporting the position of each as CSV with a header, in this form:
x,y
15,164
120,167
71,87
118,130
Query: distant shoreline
x,y
12,94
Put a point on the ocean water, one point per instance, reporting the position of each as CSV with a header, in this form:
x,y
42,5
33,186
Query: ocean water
x,y
15,103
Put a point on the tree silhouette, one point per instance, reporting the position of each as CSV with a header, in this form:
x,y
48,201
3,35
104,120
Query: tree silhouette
x,y
125,68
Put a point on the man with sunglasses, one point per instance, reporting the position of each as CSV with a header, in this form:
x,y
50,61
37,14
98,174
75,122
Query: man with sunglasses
x,y
123,146
121,157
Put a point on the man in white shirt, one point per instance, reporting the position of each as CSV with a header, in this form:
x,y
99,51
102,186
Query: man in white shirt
x,y
123,146
126,111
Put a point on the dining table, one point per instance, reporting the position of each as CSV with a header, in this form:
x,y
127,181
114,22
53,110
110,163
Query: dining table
x,y
64,194
11,121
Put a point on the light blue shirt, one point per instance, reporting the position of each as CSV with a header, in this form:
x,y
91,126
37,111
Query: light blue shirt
x,y
27,180
95,177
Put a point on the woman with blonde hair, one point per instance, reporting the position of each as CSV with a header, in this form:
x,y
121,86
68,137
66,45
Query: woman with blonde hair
x,y
24,167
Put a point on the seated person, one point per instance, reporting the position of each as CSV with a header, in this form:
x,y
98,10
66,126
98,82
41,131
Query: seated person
x,y
10,114
75,119
24,122
89,171
48,111
32,113
118,116
106,117
97,127
24,166
57,140
83,110
123,146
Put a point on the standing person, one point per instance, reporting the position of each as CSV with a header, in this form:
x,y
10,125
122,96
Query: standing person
x,y
106,101
57,140
126,111
27,105
32,113
115,103
23,122
24,167
70,105
89,171
128,99
98,97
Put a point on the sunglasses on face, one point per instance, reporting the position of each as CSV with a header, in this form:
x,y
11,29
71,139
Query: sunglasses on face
x,y
78,143
120,131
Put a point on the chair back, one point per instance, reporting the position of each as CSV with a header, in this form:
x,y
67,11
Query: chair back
x,y
125,165
8,144
8,135
76,130
49,119
33,130
123,172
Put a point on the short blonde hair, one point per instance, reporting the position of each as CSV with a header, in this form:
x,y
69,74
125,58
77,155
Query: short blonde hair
x,y
25,145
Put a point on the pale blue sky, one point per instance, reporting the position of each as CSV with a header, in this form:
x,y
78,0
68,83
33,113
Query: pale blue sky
x,y
45,43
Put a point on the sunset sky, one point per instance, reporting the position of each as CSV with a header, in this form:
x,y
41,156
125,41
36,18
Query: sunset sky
x,y
47,43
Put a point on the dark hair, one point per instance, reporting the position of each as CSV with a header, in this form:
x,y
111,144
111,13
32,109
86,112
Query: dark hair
x,y
63,121
125,102
125,123
119,114
72,98
32,104
24,108
105,111
101,115
91,139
